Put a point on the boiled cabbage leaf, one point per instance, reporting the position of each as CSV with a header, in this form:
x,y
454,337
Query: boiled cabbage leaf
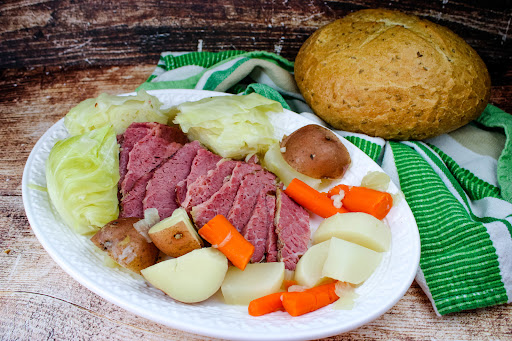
x,y
231,126
81,175
119,111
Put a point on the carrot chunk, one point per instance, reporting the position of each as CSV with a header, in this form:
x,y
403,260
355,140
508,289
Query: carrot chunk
x,y
362,199
266,304
224,236
311,199
300,303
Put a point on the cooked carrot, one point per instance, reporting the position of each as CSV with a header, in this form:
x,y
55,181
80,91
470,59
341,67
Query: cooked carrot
x,y
224,236
310,198
266,304
362,199
299,303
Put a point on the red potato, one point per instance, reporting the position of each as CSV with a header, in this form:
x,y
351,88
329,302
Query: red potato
x,y
316,152
126,245
175,236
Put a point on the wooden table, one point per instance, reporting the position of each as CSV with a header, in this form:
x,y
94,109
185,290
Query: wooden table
x,y
53,54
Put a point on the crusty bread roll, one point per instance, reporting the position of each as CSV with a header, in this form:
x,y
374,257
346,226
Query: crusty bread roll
x,y
388,74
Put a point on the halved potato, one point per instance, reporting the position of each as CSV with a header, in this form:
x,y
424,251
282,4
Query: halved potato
x,y
349,262
191,278
317,152
257,280
175,236
309,268
355,227
126,245
274,162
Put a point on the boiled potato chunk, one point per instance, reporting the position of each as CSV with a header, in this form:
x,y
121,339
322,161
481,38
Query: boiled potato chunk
x,y
257,280
125,245
191,278
349,262
356,227
309,268
274,162
175,235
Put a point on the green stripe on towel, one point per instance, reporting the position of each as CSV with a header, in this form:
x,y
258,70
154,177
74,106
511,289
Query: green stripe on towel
x,y
458,259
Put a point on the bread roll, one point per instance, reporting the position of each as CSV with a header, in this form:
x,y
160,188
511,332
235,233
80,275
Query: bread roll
x,y
392,75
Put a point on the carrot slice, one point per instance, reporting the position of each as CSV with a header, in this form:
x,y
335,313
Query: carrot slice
x,y
362,199
300,303
266,304
313,200
224,236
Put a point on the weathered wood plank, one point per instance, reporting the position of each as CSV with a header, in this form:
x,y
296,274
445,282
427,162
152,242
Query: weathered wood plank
x,y
61,33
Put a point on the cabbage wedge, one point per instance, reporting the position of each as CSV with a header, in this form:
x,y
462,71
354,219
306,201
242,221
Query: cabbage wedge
x,y
119,111
81,175
231,126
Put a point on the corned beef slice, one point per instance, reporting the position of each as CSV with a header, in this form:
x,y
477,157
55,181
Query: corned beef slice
x,y
160,190
136,132
145,156
131,205
292,228
171,134
271,241
222,200
256,229
202,163
247,196
133,134
207,184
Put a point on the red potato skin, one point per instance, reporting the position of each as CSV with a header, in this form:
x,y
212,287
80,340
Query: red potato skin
x,y
316,152
126,245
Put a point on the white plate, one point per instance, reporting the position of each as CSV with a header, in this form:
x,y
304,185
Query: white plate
x,y
82,260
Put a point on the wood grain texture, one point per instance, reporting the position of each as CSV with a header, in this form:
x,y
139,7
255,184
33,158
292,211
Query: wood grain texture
x,y
53,54
62,33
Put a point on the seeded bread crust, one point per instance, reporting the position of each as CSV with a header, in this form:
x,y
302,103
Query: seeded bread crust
x,y
392,75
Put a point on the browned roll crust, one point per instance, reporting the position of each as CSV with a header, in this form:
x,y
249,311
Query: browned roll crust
x,y
392,75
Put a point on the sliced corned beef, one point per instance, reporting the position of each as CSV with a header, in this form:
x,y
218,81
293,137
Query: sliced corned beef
x,y
202,163
160,190
221,201
256,230
136,132
292,229
171,134
145,156
133,134
247,196
271,241
131,204
207,184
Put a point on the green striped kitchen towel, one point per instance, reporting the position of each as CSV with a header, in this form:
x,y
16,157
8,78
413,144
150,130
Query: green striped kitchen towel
x,y
458,185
